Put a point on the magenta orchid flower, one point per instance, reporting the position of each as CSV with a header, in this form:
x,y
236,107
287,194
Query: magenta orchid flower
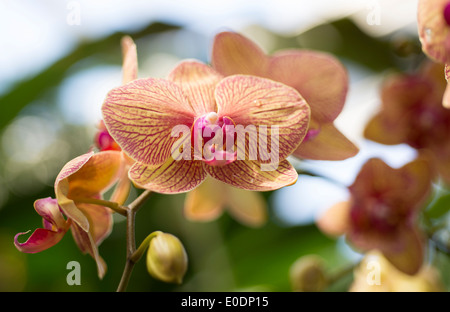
x,y
143,115
383,212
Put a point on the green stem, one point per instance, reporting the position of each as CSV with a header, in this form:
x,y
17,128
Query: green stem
x,y
141,250
106,203
131,211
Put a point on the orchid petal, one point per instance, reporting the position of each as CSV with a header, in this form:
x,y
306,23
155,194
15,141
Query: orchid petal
x,y
130,62
49,210
407,251
335,220
88,175
198,82
206,201
100,220
174,176
248,175
40,240
319,77
417,178
62,189
247,207
434,32
259,102
328,144
233,54
385,131
140,117
97,175
86,244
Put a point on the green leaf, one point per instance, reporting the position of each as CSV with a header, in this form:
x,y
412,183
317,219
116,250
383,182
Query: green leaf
x,y
439,208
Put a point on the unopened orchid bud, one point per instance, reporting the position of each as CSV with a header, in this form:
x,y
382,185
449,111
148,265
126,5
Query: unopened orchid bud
x,y
308,274
167,259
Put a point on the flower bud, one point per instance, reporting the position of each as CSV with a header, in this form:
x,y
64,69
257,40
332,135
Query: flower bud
x,y
167,258
308,274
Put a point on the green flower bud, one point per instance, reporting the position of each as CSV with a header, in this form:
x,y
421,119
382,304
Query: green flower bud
x,y
308,274
166,258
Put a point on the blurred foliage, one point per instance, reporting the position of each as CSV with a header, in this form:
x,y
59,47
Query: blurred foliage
x,y
223,255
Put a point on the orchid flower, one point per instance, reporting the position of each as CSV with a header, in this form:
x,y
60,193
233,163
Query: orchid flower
x,y
318,77
78,187
306,71
146,116
382,212
412,113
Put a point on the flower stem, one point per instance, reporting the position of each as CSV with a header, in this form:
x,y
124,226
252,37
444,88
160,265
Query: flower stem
x,y
100,202
131,211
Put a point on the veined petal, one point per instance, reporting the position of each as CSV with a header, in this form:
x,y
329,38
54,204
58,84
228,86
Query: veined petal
x,y
328,144
206,201
97,175
233,54
88,175
248,175
174,176
319,77
140,117
86,244
198,82
434,32
130,62
247,207
258,102
62,189
40,240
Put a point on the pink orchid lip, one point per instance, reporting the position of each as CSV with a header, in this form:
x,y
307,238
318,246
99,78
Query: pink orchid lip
x,y
204,131
446,13
54,228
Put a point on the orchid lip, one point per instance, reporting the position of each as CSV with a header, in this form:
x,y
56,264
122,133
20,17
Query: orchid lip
x,y
211,139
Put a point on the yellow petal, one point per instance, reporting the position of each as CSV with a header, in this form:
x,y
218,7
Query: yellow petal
x,y
206,201
247,207
335,220
328,144
198,82
130,62
174,176
248,175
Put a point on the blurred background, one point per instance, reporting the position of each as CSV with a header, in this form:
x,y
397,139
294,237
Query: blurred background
x,y
60,58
